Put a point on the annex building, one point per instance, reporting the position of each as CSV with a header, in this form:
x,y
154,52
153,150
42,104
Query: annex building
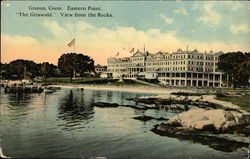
x,y
180,68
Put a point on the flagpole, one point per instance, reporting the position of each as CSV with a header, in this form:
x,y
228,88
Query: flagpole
x,y
75,46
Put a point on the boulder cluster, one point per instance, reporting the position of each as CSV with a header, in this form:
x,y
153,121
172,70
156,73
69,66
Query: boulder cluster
x,y
218,120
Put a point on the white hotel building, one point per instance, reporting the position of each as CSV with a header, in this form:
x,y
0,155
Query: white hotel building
x,y
181,68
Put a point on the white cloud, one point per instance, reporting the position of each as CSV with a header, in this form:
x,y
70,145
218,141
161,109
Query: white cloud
x,y
210,17
166,19
195,6
235,5
241,28
55,28
100,43
181,11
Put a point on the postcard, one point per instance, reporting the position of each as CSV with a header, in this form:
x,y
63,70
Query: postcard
x,y
125,79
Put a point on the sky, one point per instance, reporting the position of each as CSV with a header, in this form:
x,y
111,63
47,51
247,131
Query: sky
x,y
159,25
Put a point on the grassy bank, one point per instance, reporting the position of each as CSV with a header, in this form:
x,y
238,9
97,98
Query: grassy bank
x,y
92,81
241,100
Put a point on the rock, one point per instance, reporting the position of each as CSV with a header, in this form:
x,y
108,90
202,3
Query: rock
x,y
105,105
143,118
163,101
147,118
187,94
221,142
204,125
214,120
145,100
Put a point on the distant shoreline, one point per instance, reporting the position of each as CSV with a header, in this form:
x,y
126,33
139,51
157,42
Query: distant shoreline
x,y
137,89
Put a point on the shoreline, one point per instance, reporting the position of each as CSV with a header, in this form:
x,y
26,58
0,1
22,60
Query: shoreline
x,y
159,93
137,89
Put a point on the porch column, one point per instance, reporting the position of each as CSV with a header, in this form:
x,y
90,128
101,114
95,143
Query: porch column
x,y
191,79
185,79
220,79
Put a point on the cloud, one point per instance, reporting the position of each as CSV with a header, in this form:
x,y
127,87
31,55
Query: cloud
x,y
166,19
100,43
235,5
180,11
210,17
241,28
55,28
25,47
195,6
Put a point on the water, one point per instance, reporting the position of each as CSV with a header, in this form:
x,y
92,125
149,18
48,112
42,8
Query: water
x,y
39,125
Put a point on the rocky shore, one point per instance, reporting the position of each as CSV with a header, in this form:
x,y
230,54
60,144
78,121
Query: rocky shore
x,y
215,121
199,118
205,120
195,116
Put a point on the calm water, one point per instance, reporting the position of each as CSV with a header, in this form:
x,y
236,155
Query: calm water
x,y
39,125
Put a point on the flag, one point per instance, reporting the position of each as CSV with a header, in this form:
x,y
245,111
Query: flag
x,y
71,43
132,50
117,54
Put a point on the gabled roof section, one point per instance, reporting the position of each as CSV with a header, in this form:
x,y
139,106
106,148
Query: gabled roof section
x,y
138,54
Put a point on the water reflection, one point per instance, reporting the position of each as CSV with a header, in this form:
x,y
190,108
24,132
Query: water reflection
x,y
74,108
20,99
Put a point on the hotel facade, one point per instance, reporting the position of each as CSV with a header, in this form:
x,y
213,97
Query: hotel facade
x,y
180,68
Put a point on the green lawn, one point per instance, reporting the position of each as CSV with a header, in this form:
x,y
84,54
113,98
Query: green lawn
x,y
127,83
91,80
241,100
62,80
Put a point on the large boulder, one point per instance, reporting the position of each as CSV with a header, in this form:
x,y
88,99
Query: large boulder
x,y
215,119
105,105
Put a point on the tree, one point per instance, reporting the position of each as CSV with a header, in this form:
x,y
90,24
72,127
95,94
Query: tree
x,y
71,63
244,70
3,70
48,70
20,67
236,66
